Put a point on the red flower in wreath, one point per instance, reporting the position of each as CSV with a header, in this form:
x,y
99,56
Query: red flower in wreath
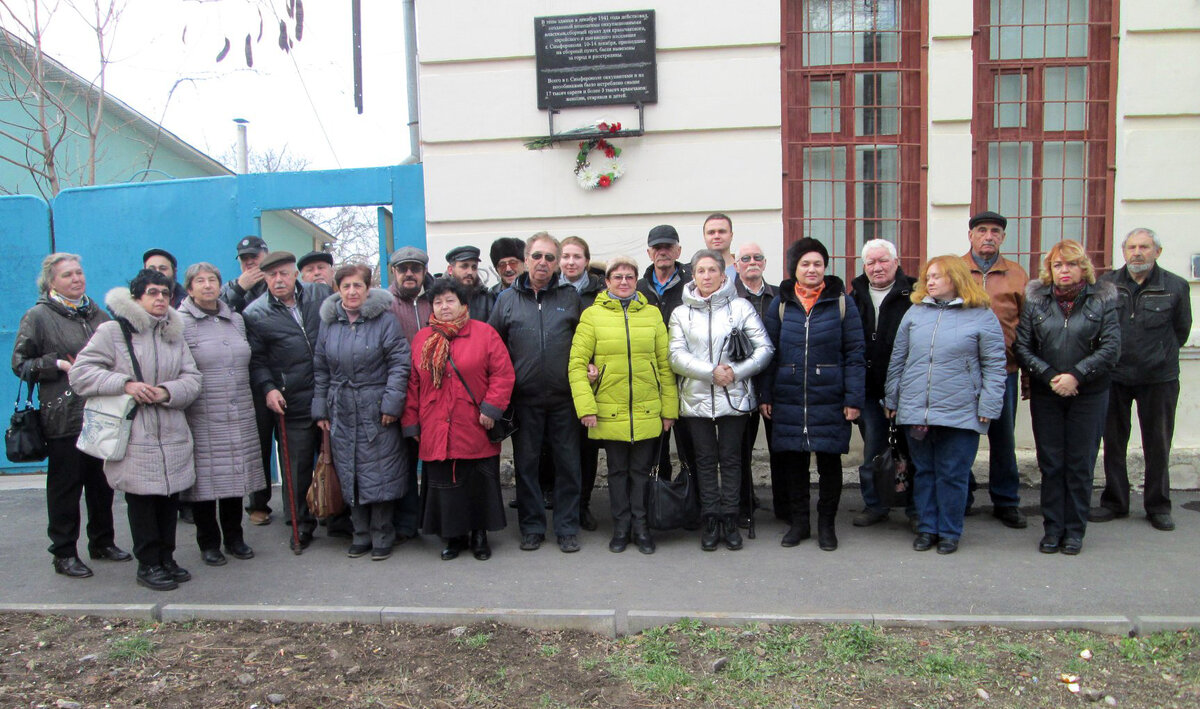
x,y
605,180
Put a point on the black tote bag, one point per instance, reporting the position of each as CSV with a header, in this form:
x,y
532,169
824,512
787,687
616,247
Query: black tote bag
x,y
24,441
671,504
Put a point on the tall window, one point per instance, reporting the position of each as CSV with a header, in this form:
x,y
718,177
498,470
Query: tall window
x,y
852,125
1044,86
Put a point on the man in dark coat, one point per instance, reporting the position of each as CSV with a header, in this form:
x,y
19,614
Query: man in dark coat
x,y
282,328
881,293
462,264
1155,311
536,318
246,288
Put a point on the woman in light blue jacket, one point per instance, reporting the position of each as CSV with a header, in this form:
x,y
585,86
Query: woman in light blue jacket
x,y
945,384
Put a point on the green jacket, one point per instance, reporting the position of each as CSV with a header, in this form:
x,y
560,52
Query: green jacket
x,y
636,388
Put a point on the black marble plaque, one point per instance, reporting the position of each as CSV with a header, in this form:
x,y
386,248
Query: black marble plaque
x,y
596,60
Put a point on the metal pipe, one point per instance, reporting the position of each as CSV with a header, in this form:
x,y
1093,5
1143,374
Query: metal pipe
x,y
243,150
410,72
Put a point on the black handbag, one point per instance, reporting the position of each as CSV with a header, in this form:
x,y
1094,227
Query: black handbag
x,y
671,504
24,441
893,471
740,347
504,426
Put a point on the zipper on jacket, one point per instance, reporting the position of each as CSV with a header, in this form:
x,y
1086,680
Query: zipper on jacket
x,y
929,376
807,320
629,358
712,388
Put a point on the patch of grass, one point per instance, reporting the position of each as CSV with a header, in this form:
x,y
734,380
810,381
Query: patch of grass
x,y
650,661
589,664
1020,652
851,643
1160,648
548,702
1074,638
130,649
477,641
714,640
945,666
548,650
688,626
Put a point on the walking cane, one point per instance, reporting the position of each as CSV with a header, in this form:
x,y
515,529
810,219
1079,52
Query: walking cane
x,y
287,486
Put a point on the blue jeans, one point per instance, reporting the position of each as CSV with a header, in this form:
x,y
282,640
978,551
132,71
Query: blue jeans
x,y
1004,482
942,465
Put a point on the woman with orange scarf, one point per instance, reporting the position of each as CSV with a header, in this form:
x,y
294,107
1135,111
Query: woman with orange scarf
x,y
460,383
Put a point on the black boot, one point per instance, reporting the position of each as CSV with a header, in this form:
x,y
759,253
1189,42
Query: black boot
x,y
797,532
733,538
712,533
826,536
479,545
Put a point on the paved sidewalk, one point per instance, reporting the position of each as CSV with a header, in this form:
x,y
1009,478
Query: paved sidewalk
x,y
1129,576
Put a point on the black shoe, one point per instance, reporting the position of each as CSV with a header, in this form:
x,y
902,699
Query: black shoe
x,y
587,521
71,566
1049,544
947,546
532,542
869,517
798,532
112,552
305,538
711,534
618,543
155,578
358,550
513,503
381,553
1011,517
479,545
185,514
743,521
1104,514
240,550
644,542
568,543
454,545
1161,521
177,572
213,557
1072,546
826,536
733,538
924,541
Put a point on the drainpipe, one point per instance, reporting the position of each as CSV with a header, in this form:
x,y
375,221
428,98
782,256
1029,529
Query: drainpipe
x,y
410,72
243,151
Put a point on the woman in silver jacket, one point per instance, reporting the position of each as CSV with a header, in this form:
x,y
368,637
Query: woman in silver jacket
x,y
716,394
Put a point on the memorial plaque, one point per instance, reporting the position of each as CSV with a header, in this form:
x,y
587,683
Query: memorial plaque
x,y
596,60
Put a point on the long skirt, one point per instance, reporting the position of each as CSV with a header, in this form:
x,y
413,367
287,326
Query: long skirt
x,y
461,496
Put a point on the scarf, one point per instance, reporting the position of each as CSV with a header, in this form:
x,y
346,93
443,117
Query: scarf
x,y
1067,296
436,350
81,304
808,296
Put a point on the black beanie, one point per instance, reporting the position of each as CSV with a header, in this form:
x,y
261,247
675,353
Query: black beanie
x,y
805,246
505,247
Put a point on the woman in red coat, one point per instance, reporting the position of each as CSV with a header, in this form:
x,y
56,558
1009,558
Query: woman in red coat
x,y
460,384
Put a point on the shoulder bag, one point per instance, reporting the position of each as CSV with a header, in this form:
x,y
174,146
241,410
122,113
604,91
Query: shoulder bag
x,y
24,441
504,426
108,420
893,471
671,504
325,494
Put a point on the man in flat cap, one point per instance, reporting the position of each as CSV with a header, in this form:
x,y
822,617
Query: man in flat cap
x,y
508,258
1004,282
247,287
462,264
282,328
316,267
164,262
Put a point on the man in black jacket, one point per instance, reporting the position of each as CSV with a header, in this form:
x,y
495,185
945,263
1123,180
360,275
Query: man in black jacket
x,y
536,318
882,296
246,288
462,264
1155,310
282,328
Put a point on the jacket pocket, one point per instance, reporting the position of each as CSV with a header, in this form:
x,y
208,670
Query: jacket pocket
x,y
1155,311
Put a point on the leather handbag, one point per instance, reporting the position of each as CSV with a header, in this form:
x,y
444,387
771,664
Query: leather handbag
x,y
893,472
504,426
24,441
740,347
108,420
325,494
671,504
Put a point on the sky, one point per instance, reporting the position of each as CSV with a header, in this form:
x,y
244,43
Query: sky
x,y
163,65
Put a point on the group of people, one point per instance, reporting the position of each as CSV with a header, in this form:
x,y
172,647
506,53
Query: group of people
x,y
412,382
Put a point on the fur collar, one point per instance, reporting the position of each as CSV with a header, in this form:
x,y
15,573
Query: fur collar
x,y
377,303
1100,290
122,305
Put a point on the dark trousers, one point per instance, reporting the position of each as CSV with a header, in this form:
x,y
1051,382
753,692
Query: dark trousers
x,y
683,448
628,472
70,473
551,425
1156,419
829,485
717,445
373,524
589,464
1066,431
216,519
265,420
779,492
1004,481
304,439
152,520
406,512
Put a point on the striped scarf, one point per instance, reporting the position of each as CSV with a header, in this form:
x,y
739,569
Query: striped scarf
x,y
81,304
436,349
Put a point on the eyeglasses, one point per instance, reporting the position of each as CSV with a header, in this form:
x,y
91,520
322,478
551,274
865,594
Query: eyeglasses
x,y
752,257
408,268
539,256
158,292
622,277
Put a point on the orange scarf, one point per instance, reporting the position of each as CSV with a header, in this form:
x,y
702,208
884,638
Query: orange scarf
x,y
436,350
808,296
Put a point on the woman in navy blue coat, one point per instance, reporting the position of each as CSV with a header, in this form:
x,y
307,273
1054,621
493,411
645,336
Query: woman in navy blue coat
x,y
816,384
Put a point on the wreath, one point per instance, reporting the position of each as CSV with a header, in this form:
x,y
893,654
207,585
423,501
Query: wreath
x,y
605,173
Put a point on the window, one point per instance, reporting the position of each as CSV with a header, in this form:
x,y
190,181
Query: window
x,y
1044,85
852,124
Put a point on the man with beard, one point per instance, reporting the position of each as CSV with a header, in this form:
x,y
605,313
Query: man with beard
x,y
164,262
462,264
508,258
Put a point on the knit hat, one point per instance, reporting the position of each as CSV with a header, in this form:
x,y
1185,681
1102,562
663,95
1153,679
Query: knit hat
x,y
507,247
805,246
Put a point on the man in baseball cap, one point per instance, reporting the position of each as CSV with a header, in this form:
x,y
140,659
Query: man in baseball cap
x,y
243,290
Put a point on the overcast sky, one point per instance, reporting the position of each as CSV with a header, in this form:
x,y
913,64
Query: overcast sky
x,y
302,100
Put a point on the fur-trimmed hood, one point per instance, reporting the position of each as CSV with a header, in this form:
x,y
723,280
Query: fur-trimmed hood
x,y
378,302
1101,290
122,305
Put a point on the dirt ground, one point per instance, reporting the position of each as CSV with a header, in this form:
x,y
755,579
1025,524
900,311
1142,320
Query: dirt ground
x,y
61,662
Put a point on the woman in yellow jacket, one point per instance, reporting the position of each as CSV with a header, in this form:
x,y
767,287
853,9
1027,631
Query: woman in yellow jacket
x,y
624,391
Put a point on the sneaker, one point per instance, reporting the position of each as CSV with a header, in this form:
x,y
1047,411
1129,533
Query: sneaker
x,y
532,542
1010,517
1161,521
260,518
357,550
568,543
869,517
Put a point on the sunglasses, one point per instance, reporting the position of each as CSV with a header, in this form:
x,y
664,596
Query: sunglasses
x,y
408,268
158,293
539,256
754,257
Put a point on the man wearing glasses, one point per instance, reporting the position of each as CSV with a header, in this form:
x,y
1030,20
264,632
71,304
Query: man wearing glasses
x,y
536,318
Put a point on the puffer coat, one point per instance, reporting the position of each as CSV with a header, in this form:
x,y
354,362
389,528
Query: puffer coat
x,y
228,456
1087,344
445,417
537,328
700,330
817,372
947,368
49,332
361,372
159,459
636,388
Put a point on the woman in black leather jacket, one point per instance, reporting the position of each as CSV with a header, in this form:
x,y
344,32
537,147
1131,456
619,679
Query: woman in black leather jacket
x,y
1068,339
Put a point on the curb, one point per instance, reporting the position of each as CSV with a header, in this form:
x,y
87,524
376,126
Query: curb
x,y
601,622
178,612
639,621
133,611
